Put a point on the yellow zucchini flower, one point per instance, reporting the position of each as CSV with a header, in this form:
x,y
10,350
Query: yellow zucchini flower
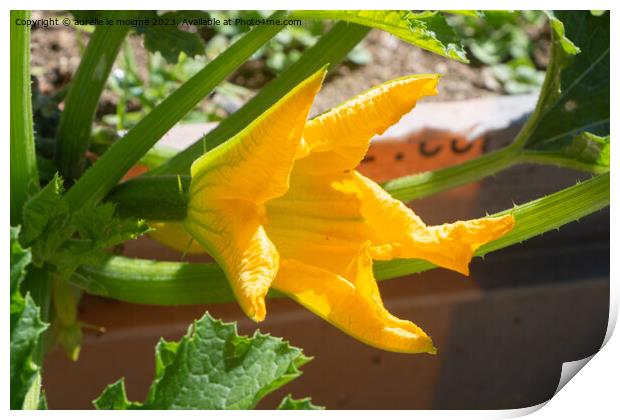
x,y
281,206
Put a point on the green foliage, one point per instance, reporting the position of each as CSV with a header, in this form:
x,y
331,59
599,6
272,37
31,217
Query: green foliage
x,y
66,240
289,403
212,367
144,93
503,41
138,95
169,40
26,330
114,164
573,108
285,48
160,33
428,30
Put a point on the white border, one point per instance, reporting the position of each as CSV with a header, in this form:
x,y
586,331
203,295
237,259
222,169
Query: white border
x,y
592,394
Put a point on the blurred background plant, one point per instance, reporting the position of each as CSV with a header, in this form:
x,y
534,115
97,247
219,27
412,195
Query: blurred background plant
x,y
140,90
512,45
508,52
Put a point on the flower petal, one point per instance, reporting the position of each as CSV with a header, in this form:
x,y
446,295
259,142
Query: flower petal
x,y
405,235
354,307
318,219
255,164
338,140
231,183
232,232
174,235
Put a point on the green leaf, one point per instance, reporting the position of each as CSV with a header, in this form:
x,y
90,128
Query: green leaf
x,y
427,30
161,33
212,367
169,40
68,240
114,397
289,403
26,329
575,96
41,209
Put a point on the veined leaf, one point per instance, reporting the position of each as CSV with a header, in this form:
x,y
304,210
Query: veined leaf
x,y
575,96
165,38
289,403
428,30
169,40
67,240
212,367
26,329
41,208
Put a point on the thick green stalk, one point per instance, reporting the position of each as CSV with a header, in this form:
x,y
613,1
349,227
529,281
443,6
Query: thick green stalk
x,y
330,49
24,174
72,138
111,167
421,185
38,283
169,283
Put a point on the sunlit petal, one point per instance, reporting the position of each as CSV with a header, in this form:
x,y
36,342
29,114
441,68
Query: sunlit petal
x,y
255,164
399,233
355,306
338,140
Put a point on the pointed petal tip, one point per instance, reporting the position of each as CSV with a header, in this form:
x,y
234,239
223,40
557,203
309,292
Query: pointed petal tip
x,y
254,308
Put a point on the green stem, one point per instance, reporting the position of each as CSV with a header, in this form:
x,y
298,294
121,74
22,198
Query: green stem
x,y
23,166
161,198
110,168
74,129
39,284
546,158
424,184
330,49
170,283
